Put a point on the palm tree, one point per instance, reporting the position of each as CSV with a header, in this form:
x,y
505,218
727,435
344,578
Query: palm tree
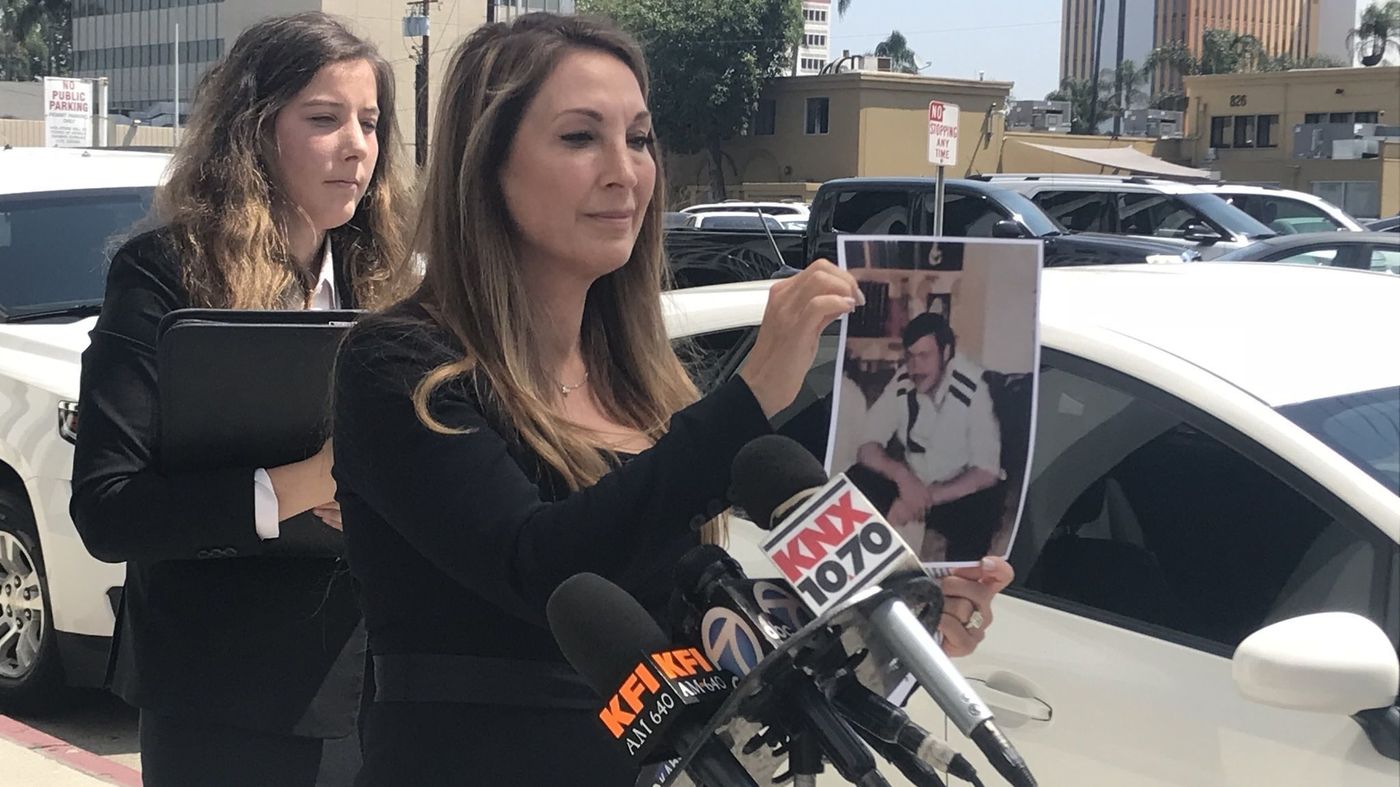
x,y
1378,32
841,6
1132,79
898,51
1222,52
1084,112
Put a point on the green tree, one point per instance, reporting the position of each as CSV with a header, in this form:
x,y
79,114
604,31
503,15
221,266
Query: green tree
x,y
1378,32
35,39
710,60
1222,52
896,48
1286,62
1084,114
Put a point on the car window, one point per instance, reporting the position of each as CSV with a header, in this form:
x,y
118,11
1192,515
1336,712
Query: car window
x,y
1284,215
711,357
1385,260
964,215
1076,211
54,246
1316,255
1162,215
872,212
754,222
1136,512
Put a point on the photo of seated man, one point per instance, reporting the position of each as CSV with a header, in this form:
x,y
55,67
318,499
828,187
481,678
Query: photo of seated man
x,y
936,386
935,399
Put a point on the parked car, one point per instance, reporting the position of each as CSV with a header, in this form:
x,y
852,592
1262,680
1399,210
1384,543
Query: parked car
x,y
1391,224
777,209
971,208
899,206
1200,489
61,211
1374,251
1285,211
1131,205
672,219
732,220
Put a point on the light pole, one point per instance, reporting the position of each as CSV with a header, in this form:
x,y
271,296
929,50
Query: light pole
x,y
416,25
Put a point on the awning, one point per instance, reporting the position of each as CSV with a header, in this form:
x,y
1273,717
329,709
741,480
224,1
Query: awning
x,y
1127,158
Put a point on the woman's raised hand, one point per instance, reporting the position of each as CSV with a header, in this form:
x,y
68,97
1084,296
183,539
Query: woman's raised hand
x,y
799,309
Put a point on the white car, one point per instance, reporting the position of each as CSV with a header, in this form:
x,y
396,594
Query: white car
x,y
1285,211
1217,457
60,212
779,210
740,220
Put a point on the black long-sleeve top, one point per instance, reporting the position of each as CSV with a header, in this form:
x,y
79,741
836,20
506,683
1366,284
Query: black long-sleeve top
x,y
458,540
215,622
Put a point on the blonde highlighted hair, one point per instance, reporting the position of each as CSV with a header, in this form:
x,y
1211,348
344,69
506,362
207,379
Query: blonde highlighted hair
x,y
223,205
472,285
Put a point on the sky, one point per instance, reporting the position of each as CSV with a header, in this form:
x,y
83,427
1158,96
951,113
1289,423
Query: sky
x,y
1011,40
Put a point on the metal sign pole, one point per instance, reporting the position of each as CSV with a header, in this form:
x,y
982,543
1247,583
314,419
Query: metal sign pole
x,y
938,204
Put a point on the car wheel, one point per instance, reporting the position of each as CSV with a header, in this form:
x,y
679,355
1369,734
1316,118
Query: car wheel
x,y
31,676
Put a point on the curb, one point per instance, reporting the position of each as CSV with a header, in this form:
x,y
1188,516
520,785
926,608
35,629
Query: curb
x,y
65,753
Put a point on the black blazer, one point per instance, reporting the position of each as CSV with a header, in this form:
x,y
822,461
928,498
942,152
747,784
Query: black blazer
x,y
458,540
216,624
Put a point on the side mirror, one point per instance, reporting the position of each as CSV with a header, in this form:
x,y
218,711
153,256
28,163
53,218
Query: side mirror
x,y
1197,232
1330,662
1007,229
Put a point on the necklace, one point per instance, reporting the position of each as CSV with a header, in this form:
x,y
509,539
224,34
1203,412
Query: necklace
x,y
568,389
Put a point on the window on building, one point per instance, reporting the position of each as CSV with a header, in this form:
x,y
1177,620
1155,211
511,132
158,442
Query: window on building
x,y
1315,117
818,115
1339,117
1264,132
1218,128
814,39
765,119
1368,117
1244,131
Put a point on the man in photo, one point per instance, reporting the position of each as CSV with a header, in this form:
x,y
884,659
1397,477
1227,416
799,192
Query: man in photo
x,y
931,451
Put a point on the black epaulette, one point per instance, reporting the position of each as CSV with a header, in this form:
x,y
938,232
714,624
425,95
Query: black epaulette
x,y
962,388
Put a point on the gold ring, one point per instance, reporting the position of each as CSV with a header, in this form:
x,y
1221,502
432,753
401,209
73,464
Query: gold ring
x,y
974,621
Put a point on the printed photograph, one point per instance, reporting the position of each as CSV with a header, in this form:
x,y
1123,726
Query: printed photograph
x,y
935,392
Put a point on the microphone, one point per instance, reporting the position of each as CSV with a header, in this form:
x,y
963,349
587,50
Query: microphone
x,y
650,689
830,543
736,633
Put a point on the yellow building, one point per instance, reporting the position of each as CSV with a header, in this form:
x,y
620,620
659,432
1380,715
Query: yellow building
x,y
811,129
1297,129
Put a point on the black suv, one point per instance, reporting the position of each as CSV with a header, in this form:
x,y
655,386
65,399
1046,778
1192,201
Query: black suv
x,y
904,206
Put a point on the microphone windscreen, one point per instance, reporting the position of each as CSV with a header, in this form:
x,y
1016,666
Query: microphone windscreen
x,y
767,472
701,565
602,630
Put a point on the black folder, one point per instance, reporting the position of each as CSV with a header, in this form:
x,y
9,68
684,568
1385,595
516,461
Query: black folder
x,y
245,388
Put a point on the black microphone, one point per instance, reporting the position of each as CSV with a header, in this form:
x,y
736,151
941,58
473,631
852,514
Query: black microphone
x,y
736,633
830,543
649,688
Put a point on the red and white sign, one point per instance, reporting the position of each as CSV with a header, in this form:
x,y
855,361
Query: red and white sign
x,y
67,113
942,134
835,545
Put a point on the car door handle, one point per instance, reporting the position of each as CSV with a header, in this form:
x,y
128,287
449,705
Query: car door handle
x,y
1008,694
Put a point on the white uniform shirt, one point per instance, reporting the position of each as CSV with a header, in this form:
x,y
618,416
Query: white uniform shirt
x,y
953,430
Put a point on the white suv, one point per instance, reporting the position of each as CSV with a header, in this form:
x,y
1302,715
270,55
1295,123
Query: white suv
x,y
779,210
60,213
1285,211
1132,205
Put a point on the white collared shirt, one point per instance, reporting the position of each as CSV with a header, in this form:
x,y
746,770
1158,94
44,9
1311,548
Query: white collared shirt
x,y
955,428
323,298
